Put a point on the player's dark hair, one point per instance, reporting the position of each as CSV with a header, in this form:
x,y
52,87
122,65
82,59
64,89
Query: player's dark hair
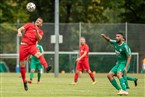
x,y
120,33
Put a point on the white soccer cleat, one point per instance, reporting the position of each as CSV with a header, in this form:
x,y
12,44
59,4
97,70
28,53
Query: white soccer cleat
x,y
74,83
121,92
93,83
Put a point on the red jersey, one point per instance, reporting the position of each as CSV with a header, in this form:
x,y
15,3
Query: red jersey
x,y
84,48
29,36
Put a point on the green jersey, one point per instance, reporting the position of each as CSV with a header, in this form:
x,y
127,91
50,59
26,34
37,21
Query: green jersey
x,y
35,59
122,51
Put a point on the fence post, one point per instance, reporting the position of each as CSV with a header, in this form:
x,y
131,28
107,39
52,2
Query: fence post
x,y
126,33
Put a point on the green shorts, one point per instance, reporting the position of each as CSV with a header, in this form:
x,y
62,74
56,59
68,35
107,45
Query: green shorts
x,y
36,65
119,67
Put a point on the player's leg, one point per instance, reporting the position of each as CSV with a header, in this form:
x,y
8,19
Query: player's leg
x,y
39,67
23,56
86,67
132,79
31,76
34,51
33,68
39,76
126,81
111,75
78,70
120,71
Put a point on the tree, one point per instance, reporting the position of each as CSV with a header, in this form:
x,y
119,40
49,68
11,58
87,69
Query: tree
x,y
134,11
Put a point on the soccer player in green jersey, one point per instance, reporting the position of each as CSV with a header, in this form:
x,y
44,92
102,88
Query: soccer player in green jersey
x,y
126,78
123,54
35,64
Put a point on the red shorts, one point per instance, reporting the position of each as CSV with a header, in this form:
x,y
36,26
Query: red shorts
x,y
26,50
83,65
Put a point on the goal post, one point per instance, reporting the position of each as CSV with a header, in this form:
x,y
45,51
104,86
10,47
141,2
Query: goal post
x,y
98,60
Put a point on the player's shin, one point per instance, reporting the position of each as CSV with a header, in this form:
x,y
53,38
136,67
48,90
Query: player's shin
x,y
39,76
122,83
114,83
126,81
23,73
92,76
43,61
76,77
131,78
31,75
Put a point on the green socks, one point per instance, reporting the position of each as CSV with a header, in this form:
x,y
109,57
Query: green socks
x,y
39,76
31,75
131,78
122,83
126,81
114,83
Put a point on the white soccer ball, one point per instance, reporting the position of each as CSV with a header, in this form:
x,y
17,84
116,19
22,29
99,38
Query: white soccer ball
x,y
30,6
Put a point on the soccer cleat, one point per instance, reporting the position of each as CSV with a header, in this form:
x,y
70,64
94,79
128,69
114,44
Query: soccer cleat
x,y
48,69
121,92
25,86
74,83
93,83
30,81
128,87
135,82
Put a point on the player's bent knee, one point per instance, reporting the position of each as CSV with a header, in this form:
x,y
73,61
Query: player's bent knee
x,y
119,74
22,64
32,70
38,54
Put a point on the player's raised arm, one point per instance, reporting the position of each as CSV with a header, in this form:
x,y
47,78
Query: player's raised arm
x,y
20,31
105,37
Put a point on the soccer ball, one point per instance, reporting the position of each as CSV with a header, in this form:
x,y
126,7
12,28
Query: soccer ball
x,y
30,6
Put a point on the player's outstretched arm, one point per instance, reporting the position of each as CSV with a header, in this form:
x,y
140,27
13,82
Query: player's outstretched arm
x,y
20,31
105,37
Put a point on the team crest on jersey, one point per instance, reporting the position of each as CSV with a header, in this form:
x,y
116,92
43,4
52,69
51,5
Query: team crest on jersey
x,y
120,50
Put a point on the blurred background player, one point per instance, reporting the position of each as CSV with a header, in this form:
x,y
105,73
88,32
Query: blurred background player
x,y
35,64
143,65
32,34
123,54
83,62
126,78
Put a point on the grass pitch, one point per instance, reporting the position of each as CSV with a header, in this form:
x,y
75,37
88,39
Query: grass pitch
x,y
11,86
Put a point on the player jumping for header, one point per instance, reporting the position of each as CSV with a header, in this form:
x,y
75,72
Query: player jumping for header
x,y
32,34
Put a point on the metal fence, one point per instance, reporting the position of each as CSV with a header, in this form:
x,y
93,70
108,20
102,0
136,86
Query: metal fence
x,y
134,33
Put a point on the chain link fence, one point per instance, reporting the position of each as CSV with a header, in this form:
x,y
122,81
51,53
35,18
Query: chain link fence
x,y
134,33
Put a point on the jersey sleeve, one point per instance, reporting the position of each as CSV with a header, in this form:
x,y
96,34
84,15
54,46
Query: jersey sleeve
x,y
127,50
86,48
27,25
112,41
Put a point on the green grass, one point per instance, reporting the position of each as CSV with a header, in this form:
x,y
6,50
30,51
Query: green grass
x,y
11,86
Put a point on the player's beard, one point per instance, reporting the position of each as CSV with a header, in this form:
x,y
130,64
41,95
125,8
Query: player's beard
x,y
118,41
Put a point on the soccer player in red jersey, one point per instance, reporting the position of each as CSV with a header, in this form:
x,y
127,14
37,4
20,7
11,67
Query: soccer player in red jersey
x,y
83,62
32,34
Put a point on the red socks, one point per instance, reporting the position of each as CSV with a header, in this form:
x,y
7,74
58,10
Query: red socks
x,y
23,73
76,77
43,61
92,76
